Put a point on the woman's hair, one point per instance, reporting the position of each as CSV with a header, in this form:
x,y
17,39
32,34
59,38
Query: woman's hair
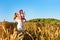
x,y
15,15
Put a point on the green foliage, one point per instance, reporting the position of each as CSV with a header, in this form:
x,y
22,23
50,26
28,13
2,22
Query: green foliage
x,y
43,20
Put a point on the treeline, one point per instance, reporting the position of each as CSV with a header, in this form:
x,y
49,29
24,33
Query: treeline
x,y
45,20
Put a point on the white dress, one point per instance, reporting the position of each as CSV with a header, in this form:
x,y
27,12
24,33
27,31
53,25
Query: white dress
x,y
20,25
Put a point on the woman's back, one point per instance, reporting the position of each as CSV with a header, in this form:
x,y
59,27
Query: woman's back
x,y
20,23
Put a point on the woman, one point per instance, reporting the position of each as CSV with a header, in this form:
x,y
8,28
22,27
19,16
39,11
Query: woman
x,y
20,26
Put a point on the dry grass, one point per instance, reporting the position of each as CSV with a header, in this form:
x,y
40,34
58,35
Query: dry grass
x,y
6,35
35,31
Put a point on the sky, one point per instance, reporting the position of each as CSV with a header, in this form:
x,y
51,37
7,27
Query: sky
x,y
32,8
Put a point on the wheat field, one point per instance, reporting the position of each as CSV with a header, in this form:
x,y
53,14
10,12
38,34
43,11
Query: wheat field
x,y
33,31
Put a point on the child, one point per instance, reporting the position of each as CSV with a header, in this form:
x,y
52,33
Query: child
x,y
22,15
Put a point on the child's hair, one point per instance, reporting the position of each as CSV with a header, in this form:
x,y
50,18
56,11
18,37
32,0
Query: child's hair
x,y
20,11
